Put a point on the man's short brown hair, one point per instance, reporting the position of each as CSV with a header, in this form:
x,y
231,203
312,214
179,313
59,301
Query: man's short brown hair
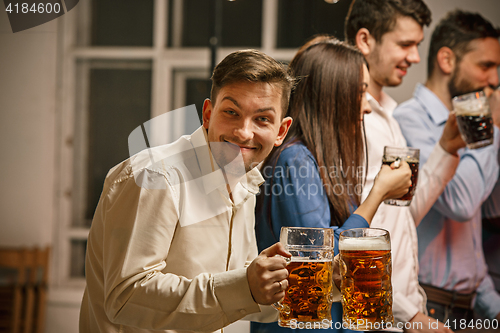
x,y
380,16
456,31
252,66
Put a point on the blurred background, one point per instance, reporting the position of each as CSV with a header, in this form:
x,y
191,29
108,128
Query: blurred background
x,y
73,89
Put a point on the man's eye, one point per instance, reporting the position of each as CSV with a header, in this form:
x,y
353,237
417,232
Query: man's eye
x,y
263,119
231,112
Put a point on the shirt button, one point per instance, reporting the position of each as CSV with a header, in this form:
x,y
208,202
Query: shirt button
x,y
243,311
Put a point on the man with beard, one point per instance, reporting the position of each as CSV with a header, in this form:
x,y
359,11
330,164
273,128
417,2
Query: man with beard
x,y
388,33
464,56
172,244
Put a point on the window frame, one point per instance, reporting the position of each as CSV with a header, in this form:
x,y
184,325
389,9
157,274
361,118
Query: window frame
x,y
74,49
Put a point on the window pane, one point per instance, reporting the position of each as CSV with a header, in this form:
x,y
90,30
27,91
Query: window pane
x,y
122,23
298,20
197,90
119,100
77,265
191,86
241,23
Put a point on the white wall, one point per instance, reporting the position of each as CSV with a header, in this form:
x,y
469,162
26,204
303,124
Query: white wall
x,y
27,109
490,9
28,90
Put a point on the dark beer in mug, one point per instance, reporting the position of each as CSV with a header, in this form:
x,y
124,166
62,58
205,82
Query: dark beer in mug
x,y
412,157
474,119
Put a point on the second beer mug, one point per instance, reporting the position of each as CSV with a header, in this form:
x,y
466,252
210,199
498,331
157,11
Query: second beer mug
x,y
474,119
308,298
365,266
412,157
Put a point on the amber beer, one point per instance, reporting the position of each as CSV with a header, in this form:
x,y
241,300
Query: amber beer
x,y
366,279
307,298
309,295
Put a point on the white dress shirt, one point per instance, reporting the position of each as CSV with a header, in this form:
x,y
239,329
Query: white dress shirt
x,y
159,257
383,130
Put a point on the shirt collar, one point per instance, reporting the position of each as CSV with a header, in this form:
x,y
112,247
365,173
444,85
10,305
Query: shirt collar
x,y
212,174
434,107
386,106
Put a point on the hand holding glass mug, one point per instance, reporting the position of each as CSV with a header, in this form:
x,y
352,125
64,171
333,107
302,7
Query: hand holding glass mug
x,y
392,157
393,180
267,275
309,295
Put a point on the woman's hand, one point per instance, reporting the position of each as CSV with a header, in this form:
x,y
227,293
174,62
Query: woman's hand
x,y
392,182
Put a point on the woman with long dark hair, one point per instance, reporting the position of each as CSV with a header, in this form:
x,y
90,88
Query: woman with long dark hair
x,y
315,178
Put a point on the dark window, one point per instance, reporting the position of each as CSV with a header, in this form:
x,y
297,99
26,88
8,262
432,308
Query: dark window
x,y
298,20
120,101
197,90
77,264
241,22
122,23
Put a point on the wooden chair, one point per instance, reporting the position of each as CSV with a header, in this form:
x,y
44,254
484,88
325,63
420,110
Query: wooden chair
x,y
23,286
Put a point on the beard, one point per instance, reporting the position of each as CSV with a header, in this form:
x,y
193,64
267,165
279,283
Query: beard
x,y
459,85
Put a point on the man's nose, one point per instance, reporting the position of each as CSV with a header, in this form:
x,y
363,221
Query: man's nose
x,y
244,131
413,56
493,78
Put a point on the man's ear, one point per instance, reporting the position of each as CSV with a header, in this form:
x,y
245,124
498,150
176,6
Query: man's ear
x,y
283,131
207,112
446,60
365,41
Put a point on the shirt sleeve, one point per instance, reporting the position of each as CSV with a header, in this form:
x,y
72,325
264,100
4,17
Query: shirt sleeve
x,y
487,301
136,229
403,308
474,176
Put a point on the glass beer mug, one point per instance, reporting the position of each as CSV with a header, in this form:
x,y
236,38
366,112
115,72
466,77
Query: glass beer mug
x,y
365,266
474,119
308,298
412,157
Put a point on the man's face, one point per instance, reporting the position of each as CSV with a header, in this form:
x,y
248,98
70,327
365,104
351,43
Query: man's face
x,y
390,59
247,115
477,68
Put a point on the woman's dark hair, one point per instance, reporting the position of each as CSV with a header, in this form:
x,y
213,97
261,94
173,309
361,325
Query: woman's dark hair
x,y
325,107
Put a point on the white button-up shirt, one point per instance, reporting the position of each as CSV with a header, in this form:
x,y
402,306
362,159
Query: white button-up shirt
x,y
383,130
168,248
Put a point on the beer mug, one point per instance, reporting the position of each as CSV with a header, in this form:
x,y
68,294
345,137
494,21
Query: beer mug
x,y
365,266
412,157
308,298
474,119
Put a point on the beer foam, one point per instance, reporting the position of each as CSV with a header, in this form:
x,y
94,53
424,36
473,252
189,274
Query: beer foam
x,y
359,244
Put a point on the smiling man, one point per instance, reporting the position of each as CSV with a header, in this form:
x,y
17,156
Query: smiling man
x,y
464,56
388,33
172,244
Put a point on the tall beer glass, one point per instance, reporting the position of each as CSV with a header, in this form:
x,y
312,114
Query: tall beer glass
x,y
365,266
412,157
474,119
308,298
